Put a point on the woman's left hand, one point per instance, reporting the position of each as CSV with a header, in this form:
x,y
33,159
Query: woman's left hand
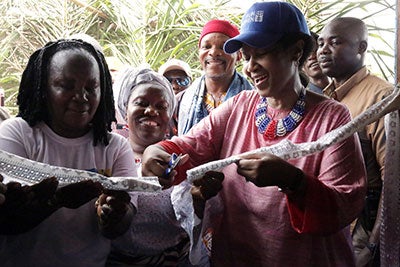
x,y
205,188
208,186
115,212
265,169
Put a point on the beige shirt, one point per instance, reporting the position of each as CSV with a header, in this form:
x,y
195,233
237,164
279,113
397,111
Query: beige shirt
x,y
358,93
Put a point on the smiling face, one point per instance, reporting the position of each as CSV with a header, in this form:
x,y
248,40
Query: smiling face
x,y
73,92
311,67
147,115
214,61
272,71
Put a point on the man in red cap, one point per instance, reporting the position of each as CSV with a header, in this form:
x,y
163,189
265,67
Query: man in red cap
x,y
220,80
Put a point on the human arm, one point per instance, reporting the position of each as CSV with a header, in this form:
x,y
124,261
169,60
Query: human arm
x,y
14,133
3,189
334,176
373,140
205,188
265,169
155,162
366,255
114,208
336,181
324,192
27,206
115,213
202,143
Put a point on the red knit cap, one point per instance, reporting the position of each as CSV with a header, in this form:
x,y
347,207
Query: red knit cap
x,y
221,26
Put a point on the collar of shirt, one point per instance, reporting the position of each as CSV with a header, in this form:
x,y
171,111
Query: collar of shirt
x,y
342,90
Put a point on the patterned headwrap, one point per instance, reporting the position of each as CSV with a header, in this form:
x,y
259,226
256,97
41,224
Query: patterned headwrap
x,y
131,78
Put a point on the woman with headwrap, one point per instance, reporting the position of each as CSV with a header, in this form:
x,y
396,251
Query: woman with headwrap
x,y
146,101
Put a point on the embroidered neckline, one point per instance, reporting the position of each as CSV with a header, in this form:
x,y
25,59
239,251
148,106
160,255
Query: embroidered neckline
x,y
211,102
272,128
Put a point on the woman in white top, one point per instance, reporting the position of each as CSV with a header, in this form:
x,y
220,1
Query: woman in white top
x,y
65,112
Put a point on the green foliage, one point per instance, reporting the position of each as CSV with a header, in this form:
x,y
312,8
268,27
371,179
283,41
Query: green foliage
x,y
160,30
27,25
150,31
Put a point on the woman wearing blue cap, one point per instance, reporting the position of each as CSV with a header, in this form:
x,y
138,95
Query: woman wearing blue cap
x,y
276,212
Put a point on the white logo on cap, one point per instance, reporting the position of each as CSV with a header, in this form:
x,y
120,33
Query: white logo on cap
x,y
254,16
259,16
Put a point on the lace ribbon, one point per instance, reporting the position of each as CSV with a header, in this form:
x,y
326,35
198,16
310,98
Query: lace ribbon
x,y
288,150
390,226
22,170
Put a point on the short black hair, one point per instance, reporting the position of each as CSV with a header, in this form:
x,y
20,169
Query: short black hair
x,y
32,98
314,36
289,39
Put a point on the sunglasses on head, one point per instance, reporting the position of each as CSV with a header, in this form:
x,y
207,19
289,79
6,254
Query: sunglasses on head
x,y
181,81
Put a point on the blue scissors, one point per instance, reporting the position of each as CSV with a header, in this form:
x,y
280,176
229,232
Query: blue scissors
x,y
173,162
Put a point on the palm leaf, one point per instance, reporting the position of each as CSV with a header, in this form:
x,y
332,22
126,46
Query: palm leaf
x,y
152,31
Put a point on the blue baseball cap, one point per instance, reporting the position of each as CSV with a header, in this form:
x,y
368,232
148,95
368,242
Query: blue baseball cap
x,y
265,23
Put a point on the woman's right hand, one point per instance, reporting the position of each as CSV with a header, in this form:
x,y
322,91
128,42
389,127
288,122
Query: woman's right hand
x,y
74,195
26,206
154,160
154,163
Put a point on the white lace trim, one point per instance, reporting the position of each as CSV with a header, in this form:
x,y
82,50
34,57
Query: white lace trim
x,y
390,225
27,171
287,150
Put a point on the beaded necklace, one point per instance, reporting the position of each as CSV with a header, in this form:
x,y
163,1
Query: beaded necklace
x,y
272,128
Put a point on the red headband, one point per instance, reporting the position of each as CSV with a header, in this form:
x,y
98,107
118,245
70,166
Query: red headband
x,y
221,26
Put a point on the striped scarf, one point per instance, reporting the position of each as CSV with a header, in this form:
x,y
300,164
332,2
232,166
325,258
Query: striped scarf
x,y
192,107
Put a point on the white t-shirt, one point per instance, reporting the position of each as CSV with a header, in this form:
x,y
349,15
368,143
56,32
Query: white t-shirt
x,y
69,237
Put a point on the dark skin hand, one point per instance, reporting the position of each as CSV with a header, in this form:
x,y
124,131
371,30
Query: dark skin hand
x,y
114,212
74,195
205,188
264,169
27,206
366,257
155,162
3,189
